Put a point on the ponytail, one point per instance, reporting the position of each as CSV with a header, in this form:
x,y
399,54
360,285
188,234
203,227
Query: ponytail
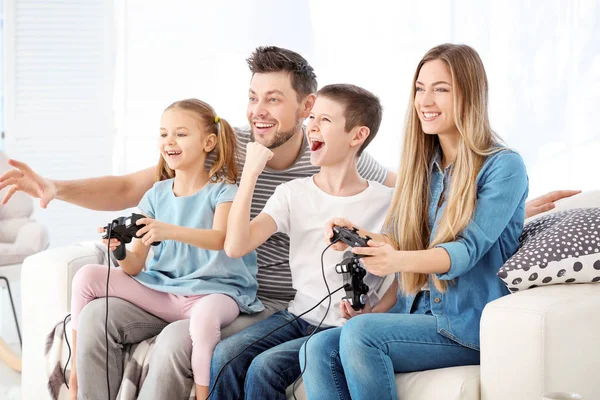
x,y
225,165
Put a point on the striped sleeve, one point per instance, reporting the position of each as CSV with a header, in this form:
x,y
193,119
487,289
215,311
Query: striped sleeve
x,y
370,169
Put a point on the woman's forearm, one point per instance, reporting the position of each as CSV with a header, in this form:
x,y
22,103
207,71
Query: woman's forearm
x,y
430,261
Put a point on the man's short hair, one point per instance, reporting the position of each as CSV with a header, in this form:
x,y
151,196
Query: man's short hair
x,y
275,59
362,108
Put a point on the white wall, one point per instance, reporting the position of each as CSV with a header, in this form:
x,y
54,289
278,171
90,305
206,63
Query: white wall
x,y
59,88
542,59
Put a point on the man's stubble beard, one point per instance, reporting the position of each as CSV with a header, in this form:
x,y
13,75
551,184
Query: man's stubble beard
x,y
280,137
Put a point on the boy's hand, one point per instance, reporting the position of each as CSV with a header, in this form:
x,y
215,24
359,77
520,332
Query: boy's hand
x,y
343,222
114,243
257,157
154,231
348,312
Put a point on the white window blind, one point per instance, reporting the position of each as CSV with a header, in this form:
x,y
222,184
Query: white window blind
x,y
59,88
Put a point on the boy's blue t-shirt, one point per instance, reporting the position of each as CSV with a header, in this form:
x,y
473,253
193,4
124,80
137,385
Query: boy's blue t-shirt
x,y
183,269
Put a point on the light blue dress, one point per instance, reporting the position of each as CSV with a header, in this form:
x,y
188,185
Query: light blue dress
x,y
183,269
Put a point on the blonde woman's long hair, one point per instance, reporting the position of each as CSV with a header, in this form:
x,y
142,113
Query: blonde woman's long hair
x,y
406,223
224,166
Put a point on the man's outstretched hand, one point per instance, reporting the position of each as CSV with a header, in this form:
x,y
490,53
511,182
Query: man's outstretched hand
x,y
543,203
23,178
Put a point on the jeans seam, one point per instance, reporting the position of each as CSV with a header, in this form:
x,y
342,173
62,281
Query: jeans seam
x,y
419,342
332,364
391,388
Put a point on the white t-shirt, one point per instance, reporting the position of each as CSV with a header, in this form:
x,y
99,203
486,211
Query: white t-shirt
x,y
300,210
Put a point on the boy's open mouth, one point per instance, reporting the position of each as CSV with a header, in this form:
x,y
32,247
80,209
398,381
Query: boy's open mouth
x,y
316,144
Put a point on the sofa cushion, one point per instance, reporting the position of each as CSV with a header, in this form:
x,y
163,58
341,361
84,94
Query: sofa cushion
x,y
563,247
436,384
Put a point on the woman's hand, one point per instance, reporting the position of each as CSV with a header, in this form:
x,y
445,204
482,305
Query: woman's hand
x,y
154,231
339,246
114,243
382,260
348,312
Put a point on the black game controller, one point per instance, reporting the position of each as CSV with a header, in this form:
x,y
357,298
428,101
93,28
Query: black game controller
x,y
353,272
350,267
124,229
350,237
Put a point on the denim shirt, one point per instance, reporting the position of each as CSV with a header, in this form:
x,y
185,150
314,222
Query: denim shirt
x,y
480,249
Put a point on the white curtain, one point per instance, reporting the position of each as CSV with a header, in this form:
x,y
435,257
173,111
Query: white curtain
x,y
542,60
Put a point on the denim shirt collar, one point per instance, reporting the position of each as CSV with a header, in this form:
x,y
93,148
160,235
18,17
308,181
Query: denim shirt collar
x,y
436,162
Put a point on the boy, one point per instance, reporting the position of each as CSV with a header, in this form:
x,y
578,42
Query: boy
x,y
343,121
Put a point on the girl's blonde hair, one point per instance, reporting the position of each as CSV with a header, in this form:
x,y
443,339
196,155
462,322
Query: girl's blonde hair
x,y
407,220
224,165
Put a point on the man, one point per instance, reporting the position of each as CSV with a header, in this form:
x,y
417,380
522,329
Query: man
x,y
281,96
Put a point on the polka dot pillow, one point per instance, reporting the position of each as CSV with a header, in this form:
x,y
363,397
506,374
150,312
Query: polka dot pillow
x,y
563,247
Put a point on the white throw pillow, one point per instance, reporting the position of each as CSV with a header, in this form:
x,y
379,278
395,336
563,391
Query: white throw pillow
x,y
563,247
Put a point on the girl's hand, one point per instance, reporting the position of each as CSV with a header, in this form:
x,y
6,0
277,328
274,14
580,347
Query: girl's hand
x,y
154,231
257,157
339,246
348,312
383,258
114,243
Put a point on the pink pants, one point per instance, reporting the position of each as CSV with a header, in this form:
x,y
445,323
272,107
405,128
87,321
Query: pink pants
x,y
207,313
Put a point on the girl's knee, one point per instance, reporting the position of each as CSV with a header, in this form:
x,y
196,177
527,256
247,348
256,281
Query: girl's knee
x,y
205,327
88,274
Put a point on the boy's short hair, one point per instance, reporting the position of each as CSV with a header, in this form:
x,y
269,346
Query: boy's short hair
x,y
362,108
275,59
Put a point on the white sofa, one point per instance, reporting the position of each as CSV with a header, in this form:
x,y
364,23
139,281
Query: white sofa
x,y
540,340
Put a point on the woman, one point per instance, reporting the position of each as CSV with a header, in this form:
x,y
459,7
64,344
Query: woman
x,y
456,217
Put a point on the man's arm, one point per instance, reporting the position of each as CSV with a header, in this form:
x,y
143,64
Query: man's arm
x,y
546,202
371,170
109,193
390,179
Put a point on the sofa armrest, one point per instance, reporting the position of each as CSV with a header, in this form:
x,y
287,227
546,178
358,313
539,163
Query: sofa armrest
x,y
46,298
541,340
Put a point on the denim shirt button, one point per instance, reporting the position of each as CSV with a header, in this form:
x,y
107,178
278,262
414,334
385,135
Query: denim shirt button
x,y
437,300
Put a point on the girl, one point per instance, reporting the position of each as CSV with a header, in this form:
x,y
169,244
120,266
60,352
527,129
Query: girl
x,y
189,275
456,217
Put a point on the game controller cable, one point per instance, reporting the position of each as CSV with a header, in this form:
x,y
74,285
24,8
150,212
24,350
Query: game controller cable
x,y
351,238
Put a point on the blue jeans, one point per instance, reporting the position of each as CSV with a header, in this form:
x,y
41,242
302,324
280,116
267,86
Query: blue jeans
x,y
265,370
359,360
